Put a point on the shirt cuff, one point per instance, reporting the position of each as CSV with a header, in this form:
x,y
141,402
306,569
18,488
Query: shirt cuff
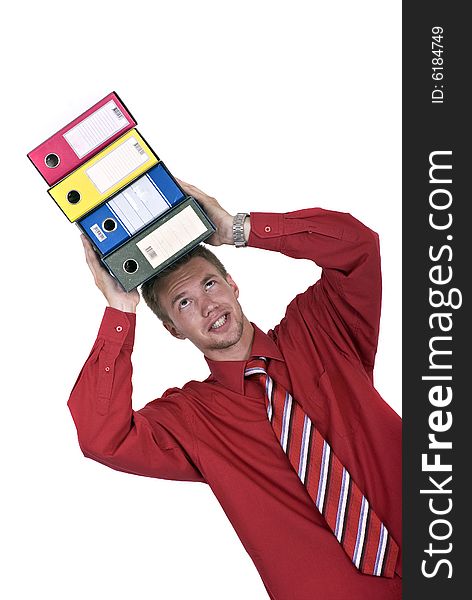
x,y
118,327
266,230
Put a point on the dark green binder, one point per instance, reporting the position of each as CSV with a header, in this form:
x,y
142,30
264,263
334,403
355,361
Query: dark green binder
x,y
166,239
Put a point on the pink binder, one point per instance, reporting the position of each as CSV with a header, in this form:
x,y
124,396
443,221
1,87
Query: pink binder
x,y
81,139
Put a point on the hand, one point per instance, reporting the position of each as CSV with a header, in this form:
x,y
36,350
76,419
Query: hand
x,y
220,217
108,285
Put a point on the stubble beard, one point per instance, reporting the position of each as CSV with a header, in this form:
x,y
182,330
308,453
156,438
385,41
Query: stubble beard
x,y
227,343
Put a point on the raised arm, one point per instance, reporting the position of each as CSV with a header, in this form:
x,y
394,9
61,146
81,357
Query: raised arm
x,y
155,441
346,301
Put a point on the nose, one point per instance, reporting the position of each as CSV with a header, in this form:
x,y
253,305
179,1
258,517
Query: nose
x,y
208,306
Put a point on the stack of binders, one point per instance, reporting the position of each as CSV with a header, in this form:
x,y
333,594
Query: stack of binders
x,y
106,178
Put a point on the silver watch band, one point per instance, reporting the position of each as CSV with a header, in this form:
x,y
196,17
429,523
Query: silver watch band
x,y
238,230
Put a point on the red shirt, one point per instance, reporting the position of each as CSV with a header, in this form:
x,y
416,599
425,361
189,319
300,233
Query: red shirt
x,y
217,431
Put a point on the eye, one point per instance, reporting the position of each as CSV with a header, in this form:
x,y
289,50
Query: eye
x,y
210,284
183,303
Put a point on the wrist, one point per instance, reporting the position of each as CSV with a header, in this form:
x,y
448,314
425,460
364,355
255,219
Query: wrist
x,y
247,228
129,307
227,233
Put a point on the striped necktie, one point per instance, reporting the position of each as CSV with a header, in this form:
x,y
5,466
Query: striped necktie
x,y
347,511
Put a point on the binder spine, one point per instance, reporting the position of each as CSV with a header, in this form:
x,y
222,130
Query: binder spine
x,y
161,243
81,139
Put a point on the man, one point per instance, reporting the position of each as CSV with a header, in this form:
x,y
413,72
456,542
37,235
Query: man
x,y
222,431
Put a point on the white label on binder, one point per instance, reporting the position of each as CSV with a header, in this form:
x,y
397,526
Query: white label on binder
x,y
117,164
172,236
98,233
138,204
96,129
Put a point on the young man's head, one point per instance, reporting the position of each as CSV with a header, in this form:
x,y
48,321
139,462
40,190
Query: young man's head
x,y
197,299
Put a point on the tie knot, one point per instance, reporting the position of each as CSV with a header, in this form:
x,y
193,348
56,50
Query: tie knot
x,y
257,365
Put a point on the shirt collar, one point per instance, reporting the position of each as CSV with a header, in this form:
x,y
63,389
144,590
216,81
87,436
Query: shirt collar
x,y
230,373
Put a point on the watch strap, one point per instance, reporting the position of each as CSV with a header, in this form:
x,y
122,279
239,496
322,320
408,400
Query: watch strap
x,y
238,230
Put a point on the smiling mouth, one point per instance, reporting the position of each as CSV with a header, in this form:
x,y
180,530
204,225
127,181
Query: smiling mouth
x,y
219,322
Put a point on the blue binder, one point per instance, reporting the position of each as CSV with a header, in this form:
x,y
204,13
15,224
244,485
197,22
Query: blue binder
x,y
138,204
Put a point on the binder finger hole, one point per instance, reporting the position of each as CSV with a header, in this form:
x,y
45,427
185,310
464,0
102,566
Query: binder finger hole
x,y
130,266
52,160
73,196
109,225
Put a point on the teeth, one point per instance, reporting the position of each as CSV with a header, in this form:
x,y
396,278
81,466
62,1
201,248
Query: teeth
x,y
221,321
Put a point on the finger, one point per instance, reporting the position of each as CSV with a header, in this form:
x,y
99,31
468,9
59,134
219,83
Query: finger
x,y
87,248
184,184
191,189
90,256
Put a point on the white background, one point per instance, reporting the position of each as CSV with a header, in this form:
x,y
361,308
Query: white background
x,y
268,106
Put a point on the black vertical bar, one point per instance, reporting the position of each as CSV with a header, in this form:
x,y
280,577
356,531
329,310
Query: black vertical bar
x,y
437,236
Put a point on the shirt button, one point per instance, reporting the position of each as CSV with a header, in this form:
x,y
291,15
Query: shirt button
x,y
119,328
267,229
107,369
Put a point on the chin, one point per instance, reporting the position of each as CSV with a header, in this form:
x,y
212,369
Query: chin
x,y
229,340
222,344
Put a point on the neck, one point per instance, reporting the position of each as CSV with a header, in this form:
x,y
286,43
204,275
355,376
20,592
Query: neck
x,y
241,350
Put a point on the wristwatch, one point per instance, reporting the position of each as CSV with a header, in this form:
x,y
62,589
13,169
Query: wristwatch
x,y
238,230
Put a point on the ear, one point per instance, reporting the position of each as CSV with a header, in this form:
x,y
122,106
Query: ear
x,y
232,285
171,328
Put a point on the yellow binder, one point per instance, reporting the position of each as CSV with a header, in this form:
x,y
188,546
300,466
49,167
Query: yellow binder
x,y
103,175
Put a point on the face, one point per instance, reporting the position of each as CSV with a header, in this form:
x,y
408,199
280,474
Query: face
x,y
203,307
